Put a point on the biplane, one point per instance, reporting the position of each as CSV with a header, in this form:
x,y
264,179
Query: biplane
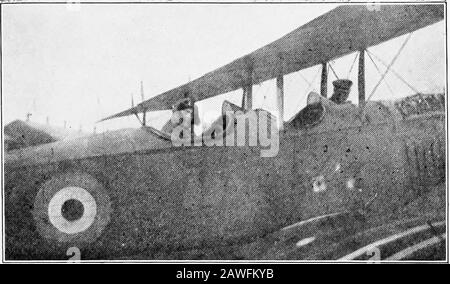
x,y
349,182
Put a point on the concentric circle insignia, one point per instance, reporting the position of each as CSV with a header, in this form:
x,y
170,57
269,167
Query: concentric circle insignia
x,y
72,208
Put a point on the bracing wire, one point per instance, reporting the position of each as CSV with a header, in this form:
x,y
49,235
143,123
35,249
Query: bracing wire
x,y
393,72
304,79
353,64
334,72
389,66
379,72
309,86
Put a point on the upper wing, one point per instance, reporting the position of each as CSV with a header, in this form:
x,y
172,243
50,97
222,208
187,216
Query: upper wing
x,y
341,31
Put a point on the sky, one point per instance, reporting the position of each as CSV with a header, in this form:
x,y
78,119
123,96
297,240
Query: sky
x,y
81,63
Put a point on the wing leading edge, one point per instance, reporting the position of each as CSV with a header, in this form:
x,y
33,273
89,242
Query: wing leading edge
x,y
341,31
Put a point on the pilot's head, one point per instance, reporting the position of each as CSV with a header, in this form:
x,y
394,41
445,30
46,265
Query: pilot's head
x,y
186,107
341,90
183,104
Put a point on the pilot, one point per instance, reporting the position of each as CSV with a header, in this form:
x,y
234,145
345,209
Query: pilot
x,y
311,114
183,108
341,90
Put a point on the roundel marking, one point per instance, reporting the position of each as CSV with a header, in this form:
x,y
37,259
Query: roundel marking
x,y
73,208
71,198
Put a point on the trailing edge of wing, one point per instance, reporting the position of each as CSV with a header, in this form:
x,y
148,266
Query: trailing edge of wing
x,y
341,31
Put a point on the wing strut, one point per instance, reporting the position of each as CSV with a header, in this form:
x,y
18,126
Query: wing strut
x,y
248,94
324,80
280,91
144,113
248,85
280,100
361,79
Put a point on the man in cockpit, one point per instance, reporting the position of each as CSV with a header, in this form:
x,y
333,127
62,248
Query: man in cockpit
x,y
313,113
182,109
341,92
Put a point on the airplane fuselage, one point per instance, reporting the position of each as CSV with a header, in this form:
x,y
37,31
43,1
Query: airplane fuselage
x,y
167,198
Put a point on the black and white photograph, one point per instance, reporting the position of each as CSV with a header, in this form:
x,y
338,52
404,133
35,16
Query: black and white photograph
x,y
238,132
